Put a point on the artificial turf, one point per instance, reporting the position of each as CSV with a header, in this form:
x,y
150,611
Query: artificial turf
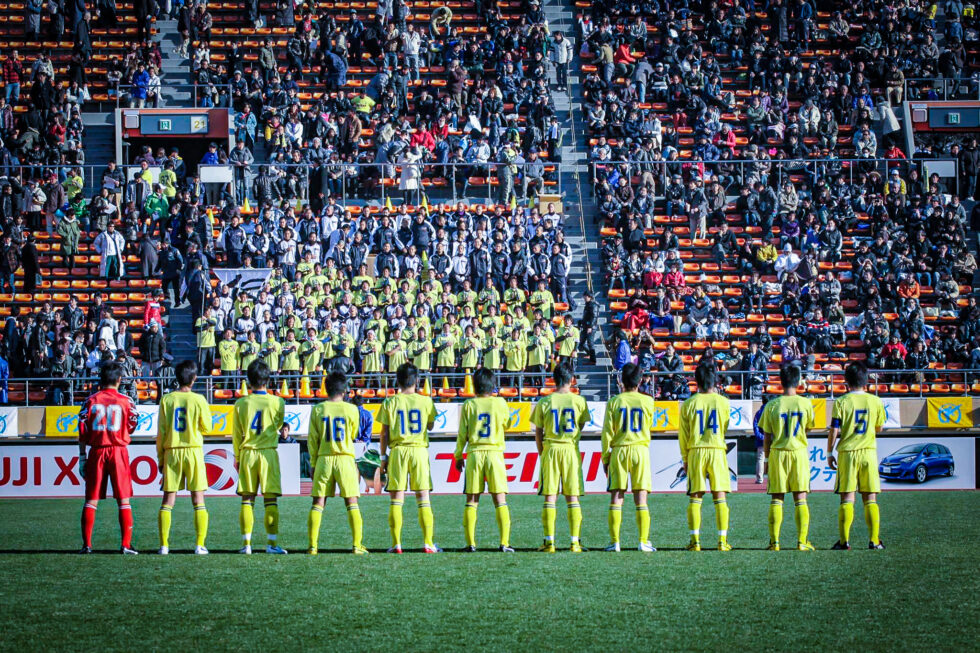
x,y
917,594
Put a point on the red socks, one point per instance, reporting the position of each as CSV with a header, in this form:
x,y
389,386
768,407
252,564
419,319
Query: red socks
x,y
125,525
88,522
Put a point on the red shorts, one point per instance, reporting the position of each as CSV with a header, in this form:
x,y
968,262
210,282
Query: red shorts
x,y
104,464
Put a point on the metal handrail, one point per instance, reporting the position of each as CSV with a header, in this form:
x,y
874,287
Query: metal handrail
x,y
199,93
78,388
948,88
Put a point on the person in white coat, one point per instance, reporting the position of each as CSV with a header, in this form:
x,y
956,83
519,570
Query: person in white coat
x,y
561,54
110,245
411,178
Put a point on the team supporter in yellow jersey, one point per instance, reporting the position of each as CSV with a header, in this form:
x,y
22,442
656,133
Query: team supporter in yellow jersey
x,y
184,417
334,425
482,423
228,353
558,421
257,421
785,422
405,420
626,454
856,420
701,434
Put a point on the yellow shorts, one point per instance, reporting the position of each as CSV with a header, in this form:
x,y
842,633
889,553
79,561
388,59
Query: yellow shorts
x,y
711,464
183,469
485,470
561,471
629,468
258,471
334,471
857,471
789,471
408,468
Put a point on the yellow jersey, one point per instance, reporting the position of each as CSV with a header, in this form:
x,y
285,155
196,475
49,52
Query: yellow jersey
x,y
183,419
859,416
703,422
561,416
786,420
629,420
408,418
333,428
256,422
482,422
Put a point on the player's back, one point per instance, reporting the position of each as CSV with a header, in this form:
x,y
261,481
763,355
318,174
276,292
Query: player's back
x,y
334,427
184,418
859,416
258,418
483,421
561,415
107,419
629,419
787,419
408,417
704,421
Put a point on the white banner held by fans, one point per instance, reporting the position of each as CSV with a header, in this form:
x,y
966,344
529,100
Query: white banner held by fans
x,y
597,414
250,280
893,413
298,419
447,419
740,415
521,459
52,470
8,423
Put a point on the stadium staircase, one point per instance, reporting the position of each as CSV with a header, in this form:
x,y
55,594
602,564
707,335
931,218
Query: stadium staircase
x,y
175,77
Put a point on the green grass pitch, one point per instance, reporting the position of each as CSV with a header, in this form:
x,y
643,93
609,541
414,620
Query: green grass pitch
x,y
918,594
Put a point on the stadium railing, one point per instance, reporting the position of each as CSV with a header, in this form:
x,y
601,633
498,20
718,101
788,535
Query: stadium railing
x,y
198,94
961,88
738,384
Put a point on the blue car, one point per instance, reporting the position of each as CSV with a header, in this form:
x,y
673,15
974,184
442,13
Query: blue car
x,y
917,462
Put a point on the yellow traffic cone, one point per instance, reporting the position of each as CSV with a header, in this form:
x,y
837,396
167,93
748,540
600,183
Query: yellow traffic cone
x,y
425,202
322,392
284,390
468,385
210,213
388,203
428,386
445,383
246,207
299,205
244,389
513,202
304,387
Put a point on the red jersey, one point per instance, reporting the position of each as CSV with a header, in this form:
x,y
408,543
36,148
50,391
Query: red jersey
x,y
152,311
107,419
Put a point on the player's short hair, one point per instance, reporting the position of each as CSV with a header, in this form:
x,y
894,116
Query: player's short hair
x,y
407,376
706,376
186,372
110,375
562,374
336,384
258,374
483,381
789,376
856,375
630,375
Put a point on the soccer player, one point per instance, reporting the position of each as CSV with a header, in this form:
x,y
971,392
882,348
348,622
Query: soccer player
x,y
482,422
405,421
334,427
785,422
184,417
856,419
626,454
105,423
257,421
558,422
701,434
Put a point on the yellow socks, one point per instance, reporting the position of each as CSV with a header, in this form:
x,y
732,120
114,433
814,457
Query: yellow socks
x,y
643,523
721,519
426,522
845,517
574,521
313,525
200,524
246,519
395,522
356,524
469,523
615,521
163,521
802,520
776,519
272,522
694,519
548,520
503,523
873,519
